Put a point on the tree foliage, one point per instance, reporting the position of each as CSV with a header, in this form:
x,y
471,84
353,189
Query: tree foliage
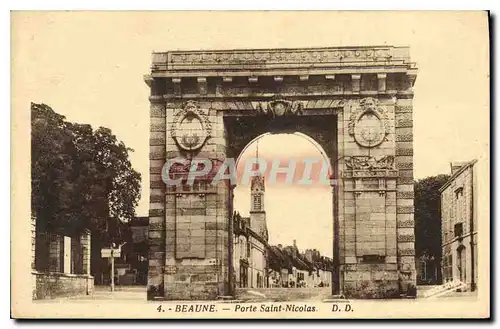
x,y
81,177
428,216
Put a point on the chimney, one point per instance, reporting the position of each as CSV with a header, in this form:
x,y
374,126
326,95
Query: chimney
x,y
309,255
456,166
295,243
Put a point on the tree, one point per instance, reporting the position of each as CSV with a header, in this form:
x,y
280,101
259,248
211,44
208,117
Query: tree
x,y
80,177
428,216
51,168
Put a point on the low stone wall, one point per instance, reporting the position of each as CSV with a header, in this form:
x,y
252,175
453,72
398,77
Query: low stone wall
x,y
52,285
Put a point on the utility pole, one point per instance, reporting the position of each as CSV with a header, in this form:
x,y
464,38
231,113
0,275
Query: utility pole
x,y
112,270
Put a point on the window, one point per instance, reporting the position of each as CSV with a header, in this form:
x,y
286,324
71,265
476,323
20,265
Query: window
x,y
462,269
248,249
459,204
242,250
459,229
257,202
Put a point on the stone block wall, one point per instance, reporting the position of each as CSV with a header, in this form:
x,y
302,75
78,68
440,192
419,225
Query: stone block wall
x,y
188,228
160,204
373,197
57,283
405,196
52,285
376,245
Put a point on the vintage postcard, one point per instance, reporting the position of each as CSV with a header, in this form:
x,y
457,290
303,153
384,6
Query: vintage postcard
x,y
321,165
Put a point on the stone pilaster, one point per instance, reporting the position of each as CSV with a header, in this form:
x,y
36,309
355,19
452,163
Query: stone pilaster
x,y
340,201
196,240
369,205
356,83
382,78
55,256
157,200
85,240
405,195
33,242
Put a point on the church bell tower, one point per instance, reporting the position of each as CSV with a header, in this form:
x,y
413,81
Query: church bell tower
x,y
257,205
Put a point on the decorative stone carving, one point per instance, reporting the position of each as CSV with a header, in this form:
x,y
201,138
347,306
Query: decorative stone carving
x,y
156,212
171,269
191,127
406,252
369,123
406,224
403,109
404,209
286,56
383,173
369,163
280,107
404,151
406,238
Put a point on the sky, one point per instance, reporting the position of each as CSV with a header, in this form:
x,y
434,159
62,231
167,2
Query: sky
x,y
89,66
293,212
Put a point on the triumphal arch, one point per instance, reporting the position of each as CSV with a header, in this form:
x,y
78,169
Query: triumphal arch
x,y
355,102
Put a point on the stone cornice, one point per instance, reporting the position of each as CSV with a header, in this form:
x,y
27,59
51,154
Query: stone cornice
x,y
301,61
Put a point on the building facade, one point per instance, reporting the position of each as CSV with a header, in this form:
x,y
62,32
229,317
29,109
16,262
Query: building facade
x,y
459,225
250,242
60,264
427,270
355,102
133,263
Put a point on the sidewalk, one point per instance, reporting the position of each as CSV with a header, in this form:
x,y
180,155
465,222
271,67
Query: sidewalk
x,y
103,293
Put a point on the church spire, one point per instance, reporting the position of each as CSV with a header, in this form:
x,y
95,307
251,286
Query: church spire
x,y
257,207
257,151
257,181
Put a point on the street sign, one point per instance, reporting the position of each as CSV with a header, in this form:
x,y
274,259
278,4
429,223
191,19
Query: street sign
x,y
108,253
112,253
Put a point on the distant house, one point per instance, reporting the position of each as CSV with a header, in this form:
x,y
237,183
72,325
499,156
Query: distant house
x,y
249,255
427,270
250,238
279,267
323,268
132,266
302,269
460,225
259,265
135,253
290,268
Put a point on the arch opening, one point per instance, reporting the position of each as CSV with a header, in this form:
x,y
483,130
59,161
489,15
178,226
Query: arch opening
x,y
280,144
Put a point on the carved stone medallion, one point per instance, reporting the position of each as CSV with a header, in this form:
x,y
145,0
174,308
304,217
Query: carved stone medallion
x,y
369,123
191,127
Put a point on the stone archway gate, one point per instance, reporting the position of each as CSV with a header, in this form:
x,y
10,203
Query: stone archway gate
x,y
354,101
